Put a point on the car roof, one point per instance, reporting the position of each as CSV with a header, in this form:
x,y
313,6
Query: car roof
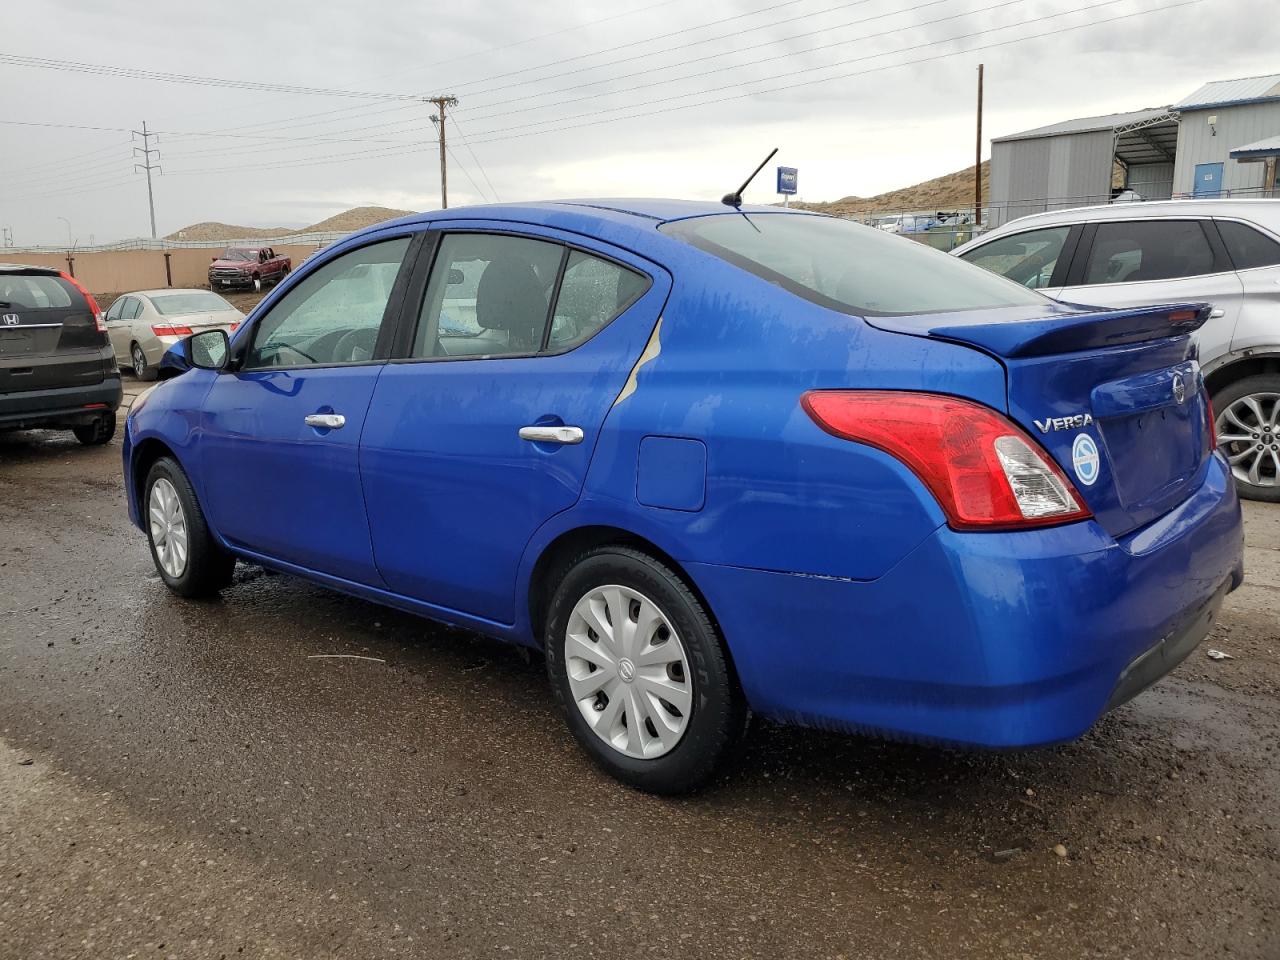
x,y
165,290
1255,209
28,268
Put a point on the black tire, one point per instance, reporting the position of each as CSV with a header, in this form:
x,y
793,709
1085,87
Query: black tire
x,y
100,431
1267,435
719,710
208,567
138,362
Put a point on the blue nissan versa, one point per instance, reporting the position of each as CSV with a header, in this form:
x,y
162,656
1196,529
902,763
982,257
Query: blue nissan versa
x,y
712,461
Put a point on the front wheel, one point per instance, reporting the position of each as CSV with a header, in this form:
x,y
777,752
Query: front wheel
x,y
640,672
186,555
1248,426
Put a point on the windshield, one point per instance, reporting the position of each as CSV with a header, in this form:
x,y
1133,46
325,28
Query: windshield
x,y
197,301
238,254
848,267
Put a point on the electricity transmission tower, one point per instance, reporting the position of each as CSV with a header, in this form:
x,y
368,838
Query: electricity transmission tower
x,y
438,119
147,150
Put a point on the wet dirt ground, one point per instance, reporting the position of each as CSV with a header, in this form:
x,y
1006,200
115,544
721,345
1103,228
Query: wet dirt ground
x,y
183,779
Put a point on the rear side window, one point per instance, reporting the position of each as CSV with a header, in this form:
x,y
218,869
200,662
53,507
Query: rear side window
x,y
1248,247
848,267
592,293
33,292
1134,251
488,296
1027,258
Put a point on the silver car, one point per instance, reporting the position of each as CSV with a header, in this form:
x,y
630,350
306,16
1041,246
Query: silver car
x,y
143,325
1225,252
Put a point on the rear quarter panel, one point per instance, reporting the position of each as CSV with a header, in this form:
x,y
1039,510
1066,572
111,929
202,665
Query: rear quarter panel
x,y
734,356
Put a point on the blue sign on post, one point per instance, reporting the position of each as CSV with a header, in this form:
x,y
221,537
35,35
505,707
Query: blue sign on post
x,y
788,177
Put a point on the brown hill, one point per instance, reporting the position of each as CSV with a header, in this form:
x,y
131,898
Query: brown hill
x,y
354,219
951,192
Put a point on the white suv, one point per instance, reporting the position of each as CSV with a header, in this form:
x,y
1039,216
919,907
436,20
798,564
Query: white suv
x,y
1224,252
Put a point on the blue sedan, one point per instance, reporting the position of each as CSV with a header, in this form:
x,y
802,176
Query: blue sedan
x,y
712,461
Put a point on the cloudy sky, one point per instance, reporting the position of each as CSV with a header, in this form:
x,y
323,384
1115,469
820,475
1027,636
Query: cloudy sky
x,y
556,99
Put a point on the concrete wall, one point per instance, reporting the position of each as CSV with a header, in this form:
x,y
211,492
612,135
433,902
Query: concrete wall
x,y
1050,173
1236,127
120,271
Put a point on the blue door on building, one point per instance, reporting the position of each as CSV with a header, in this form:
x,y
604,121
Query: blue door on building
x,y
1208,180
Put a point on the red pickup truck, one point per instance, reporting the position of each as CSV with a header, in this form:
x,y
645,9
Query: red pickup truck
x,y
247,267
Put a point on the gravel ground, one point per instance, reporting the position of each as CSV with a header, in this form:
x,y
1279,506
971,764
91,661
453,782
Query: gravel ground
x,y
184,780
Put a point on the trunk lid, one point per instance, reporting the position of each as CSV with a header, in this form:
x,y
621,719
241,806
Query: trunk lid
x,y
1115,396
48,334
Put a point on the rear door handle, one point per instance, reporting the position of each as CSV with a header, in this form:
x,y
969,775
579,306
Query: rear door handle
x,y
325,421
551,434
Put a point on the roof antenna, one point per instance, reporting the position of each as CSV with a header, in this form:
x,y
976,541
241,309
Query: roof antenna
x,y
735,199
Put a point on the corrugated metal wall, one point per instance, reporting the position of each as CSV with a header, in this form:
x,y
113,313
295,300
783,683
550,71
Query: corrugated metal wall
x,y
1049,173
1153,181
1236,127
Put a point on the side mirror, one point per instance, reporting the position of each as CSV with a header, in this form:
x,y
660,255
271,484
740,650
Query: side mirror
x,y
213,259
207,351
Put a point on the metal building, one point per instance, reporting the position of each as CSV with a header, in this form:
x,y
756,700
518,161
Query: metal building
x,y
1223,140
1074,163
1226,128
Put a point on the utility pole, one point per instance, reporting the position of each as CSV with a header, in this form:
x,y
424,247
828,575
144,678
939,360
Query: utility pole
x,y
438,119
147,150
977,163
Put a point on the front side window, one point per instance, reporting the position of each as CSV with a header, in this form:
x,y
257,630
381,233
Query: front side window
x,y
114,312
849,267
592,293
1027,258
334,314
1134,251
1247,247
488,296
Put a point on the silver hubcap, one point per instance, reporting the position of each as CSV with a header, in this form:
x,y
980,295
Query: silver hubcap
x,y
1249,437
168,527
139,362
628,672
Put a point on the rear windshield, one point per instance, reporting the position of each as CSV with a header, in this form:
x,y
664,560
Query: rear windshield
x,y
197,301
848,267
235,253
33,293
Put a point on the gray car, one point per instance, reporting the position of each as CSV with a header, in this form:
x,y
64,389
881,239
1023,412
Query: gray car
x,y
1224,252
143,325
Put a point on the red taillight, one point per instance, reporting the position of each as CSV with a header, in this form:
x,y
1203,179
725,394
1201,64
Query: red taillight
x,y
984,470
98,321
1210,428
169,330
235,326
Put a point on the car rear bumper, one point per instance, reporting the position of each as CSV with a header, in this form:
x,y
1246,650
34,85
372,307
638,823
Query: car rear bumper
x,y
59,407
986,639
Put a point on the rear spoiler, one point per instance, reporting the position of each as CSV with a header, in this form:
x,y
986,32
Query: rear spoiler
x,y
1071,330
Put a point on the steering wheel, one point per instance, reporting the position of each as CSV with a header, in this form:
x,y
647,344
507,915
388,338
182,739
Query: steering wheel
x,y
360,339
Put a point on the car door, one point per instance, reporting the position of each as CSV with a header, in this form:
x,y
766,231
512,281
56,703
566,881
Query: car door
x,y
484,427
280,431
118,329
1129,263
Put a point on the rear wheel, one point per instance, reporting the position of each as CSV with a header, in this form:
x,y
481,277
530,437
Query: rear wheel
x,y
141,369
186,555
100,431
1248,425
640,672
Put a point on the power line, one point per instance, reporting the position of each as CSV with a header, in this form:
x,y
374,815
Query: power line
x,y
792,73
858,73
466,143
135,73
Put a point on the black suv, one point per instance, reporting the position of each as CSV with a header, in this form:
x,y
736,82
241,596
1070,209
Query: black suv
x,y
57,368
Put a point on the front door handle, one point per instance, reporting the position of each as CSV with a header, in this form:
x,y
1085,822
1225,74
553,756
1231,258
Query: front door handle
x,y
325,421
551,434
1217,312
